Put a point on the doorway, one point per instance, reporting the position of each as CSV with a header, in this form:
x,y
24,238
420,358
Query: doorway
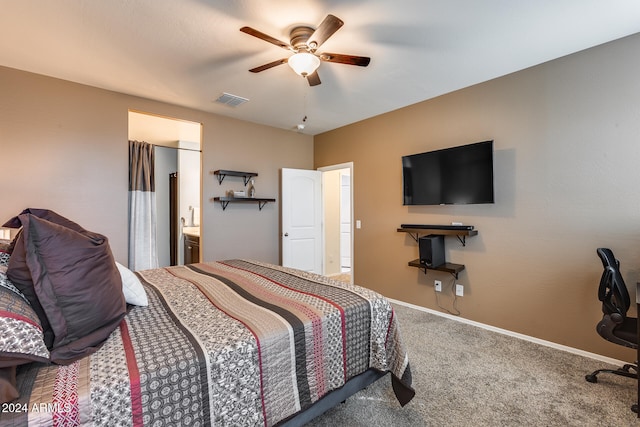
x,y
336,193
317,226
178,179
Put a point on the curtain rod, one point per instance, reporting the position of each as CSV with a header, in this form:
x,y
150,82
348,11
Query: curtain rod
x,y
177,148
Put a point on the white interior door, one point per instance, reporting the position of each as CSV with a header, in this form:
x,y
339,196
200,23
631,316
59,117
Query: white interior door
x,y
301,196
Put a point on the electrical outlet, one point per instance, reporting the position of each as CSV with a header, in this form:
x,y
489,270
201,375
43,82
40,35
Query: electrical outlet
x,y
459,290
438,285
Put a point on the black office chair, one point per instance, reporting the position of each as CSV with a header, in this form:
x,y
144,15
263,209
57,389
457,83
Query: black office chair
x,y
615,326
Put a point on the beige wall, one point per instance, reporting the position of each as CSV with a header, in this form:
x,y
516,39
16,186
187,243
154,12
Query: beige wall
x,y
63,146
567,176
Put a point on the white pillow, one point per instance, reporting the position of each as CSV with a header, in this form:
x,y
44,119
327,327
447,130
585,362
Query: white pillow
x,y
131,287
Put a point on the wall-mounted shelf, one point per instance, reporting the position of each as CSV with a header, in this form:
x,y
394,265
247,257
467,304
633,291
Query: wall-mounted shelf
x,y
448,267
224,201
246,176
460,234
221,174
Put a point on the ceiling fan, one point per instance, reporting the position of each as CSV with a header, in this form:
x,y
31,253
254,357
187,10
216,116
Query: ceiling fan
x,y
304,44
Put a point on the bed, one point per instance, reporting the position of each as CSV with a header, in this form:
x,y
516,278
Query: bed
x,y
233,342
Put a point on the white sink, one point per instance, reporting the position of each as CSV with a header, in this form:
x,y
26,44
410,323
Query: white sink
x,y
191,231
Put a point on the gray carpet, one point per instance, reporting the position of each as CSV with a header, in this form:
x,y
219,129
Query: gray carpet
x,y
467,376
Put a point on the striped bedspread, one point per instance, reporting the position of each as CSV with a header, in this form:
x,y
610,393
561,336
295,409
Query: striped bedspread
x,y
230,343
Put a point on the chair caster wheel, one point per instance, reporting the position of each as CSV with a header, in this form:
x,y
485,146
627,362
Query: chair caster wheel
x,y
591,378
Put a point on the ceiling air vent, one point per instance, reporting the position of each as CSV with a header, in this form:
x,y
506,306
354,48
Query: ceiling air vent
x,y
231,100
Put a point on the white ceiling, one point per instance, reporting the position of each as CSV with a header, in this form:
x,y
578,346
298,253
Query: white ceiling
x,y
188,52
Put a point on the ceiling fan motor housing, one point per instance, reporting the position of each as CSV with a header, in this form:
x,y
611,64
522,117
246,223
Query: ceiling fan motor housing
x,y
299,37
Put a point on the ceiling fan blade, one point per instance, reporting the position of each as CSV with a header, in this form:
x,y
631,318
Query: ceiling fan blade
x,y
327,27
266,37
269,65
314,79
361,61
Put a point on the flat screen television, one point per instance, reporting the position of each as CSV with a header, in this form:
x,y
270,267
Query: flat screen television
x,y
451,176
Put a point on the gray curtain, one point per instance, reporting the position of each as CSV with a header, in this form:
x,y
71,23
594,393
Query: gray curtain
x,y
143,251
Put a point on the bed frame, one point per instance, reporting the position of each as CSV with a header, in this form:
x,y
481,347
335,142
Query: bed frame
x,y
334,398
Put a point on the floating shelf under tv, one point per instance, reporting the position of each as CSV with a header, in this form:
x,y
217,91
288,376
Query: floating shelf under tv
x,y
417,232
447,267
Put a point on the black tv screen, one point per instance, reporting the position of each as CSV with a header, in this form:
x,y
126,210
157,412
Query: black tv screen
x,y
457,175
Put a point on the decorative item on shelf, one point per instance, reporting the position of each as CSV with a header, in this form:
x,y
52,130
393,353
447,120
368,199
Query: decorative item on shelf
x,y
236,194
252,189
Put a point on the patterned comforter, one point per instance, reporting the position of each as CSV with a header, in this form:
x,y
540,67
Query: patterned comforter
x,y
223,343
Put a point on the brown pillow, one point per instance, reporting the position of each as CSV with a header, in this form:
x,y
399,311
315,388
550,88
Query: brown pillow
x,y
47,214
77,283
19,273
8,391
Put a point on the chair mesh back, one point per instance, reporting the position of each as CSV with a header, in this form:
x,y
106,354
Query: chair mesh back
x,y
612,291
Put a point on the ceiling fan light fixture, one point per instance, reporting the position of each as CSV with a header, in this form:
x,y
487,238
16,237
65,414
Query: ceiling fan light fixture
x,y
304,63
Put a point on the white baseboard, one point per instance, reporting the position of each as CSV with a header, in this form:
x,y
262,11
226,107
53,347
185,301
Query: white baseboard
x,y
551,344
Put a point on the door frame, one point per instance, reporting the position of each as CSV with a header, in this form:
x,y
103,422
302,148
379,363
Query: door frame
x,y
181,135
347,165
